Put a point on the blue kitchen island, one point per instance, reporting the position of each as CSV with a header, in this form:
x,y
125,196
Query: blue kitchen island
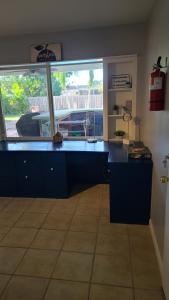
x,y
43,169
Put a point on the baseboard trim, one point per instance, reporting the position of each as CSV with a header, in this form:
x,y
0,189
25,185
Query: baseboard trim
x,y
159,258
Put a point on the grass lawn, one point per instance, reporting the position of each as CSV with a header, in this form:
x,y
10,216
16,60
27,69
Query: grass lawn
x,y
12,117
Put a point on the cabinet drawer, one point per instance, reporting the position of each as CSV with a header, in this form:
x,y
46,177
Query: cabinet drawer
x,y
56,161
29,186
28,163
55,187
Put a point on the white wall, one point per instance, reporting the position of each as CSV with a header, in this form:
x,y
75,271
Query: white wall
x,y
155,125
78,44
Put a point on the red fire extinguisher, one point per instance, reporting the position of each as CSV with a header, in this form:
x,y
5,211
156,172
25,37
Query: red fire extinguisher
x,y
157,87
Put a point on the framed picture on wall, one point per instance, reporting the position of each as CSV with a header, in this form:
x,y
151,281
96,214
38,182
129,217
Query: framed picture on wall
x,y
45,52
121,81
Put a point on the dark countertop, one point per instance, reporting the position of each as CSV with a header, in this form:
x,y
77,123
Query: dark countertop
x,y
117,151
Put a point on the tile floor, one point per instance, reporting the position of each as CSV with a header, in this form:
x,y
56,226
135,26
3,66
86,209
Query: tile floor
x,y
67,250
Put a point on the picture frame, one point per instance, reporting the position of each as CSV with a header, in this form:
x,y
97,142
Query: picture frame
x,y
45,52
121,81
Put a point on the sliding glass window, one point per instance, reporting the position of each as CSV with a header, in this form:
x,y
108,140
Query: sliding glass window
x,y
22,98
39,100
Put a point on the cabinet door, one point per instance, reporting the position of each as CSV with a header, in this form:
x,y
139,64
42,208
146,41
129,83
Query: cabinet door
x,y
7,174
55,181
7,186
88,167
130,192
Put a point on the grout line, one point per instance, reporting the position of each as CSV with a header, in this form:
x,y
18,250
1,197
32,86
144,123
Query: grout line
x,y
6,285
87,282
12,226
66,233
131,262
27,249
94,253
59,252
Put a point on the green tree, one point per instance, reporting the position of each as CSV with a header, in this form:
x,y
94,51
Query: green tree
x,y
13,96
62,77
16,89
56,86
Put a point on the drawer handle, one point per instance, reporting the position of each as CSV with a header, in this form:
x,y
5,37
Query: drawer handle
x,y
52,169
26,177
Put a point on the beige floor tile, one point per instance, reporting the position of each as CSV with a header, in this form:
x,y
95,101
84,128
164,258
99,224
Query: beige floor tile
x,y
33,220
111,228
49,239
88,210
3,281
92,200
19,237
41,206
90,197
23,199
38,263
144,261
73,266
148,295
105,212
113,270
4,202
71,201
145,271
142,246
80,241
105,195
9,259
102,292
25,288
9,219
57,221
84,223
105,198
139,230
3,231
62,208
18,205
113,244
65,290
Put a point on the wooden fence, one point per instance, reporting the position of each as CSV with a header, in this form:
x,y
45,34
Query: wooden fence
x,y
68,102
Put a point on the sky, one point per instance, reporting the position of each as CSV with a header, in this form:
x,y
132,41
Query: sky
x,y
82,77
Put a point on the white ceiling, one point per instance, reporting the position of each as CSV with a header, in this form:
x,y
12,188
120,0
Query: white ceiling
x,y
18,17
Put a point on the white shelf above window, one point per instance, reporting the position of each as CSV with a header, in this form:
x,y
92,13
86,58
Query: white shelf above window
x,y
120,90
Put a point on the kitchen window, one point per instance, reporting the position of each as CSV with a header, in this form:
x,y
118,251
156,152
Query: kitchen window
x,y
38,100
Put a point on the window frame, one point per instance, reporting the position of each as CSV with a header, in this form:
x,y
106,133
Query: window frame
x,y
48,66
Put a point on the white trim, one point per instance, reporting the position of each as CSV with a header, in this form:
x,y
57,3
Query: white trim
x,y
54,63
50,100
157,251
105,101
132,60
